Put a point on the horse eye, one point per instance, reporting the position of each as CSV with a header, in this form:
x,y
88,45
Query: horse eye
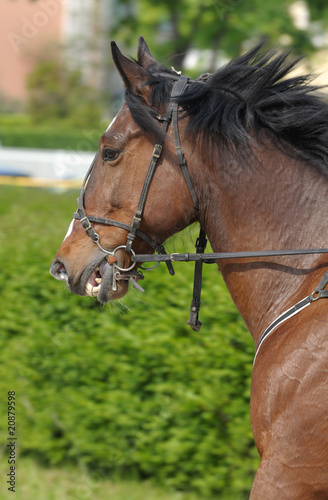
x,y
109,154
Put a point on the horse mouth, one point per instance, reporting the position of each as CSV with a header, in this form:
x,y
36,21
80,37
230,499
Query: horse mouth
x,y
95,281
103,279
102,284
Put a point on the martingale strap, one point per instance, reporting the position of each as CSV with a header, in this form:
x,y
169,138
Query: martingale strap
x,y
193,320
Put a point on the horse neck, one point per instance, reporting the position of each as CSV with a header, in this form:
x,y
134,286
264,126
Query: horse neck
x,y
277,205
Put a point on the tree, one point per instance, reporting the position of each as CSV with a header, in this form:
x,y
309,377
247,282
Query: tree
x,y
57,92
175,26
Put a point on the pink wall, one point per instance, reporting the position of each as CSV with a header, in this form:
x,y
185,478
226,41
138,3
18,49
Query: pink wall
x,y
26,29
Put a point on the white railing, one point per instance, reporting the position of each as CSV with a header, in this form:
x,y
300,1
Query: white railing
x,y
45,163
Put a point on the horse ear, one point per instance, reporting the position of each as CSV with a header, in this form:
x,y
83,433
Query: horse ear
x,y
144,55
134,76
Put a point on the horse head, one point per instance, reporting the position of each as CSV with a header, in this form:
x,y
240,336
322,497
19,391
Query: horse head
x,y
115,209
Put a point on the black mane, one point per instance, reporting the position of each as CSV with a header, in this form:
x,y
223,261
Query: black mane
x,y
251,97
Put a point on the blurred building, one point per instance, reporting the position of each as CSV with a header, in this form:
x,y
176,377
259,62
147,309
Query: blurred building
x,y
30,30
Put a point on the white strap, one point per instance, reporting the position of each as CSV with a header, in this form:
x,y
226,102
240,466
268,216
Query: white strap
x,y
283,317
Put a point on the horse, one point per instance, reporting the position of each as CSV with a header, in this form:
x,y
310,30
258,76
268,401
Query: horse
x,y
243,151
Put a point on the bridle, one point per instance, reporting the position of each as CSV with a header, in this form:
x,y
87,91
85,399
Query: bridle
x,y
119,273
179,86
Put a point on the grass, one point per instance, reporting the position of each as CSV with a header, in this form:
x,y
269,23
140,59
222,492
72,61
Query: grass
x,y
34,482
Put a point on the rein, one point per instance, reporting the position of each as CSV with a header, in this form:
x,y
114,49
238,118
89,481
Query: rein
x,y
181,83
211,258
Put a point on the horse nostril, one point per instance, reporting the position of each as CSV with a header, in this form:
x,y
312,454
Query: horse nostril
x,y
58,271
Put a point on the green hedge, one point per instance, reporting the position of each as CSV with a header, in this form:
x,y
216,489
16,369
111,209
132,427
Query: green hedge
x,y
41,138
127,389
20,131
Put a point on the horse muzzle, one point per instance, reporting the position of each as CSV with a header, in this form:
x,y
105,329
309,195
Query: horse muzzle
x,y
105,280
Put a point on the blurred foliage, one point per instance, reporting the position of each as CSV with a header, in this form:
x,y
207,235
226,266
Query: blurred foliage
x,y
215,29
57,92
21,131
127,388
319,10
173,27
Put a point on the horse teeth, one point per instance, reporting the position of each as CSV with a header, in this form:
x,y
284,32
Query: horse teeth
x,y
88,289
98,280
92,291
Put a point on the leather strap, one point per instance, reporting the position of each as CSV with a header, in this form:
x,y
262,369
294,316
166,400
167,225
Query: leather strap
x,y
319,293
210,258
178,89
142,200
193,320
86,219
80,214
172,113
133,230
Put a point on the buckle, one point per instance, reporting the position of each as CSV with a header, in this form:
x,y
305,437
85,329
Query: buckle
x,y
88,226
157,150
136,222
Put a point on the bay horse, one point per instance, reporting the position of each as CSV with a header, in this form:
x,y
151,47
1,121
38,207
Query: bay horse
x,y
244,152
